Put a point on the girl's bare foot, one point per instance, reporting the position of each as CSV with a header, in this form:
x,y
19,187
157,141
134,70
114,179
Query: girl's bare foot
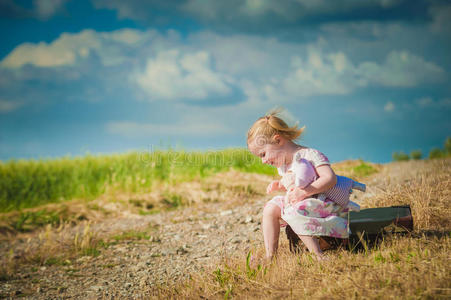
x,y
268,260
255,261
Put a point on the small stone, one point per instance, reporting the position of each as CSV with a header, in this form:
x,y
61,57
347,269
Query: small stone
x,y
143,282
206,226
84,259
181,250
96,288
141,265
226,212
248,220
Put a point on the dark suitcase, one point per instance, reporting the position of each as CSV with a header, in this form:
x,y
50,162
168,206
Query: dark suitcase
x,y
367,226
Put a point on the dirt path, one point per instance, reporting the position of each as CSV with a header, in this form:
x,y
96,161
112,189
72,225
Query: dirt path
x,y
172,245
142,251
176,247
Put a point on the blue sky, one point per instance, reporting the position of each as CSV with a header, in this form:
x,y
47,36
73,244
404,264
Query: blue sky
x,y
366,77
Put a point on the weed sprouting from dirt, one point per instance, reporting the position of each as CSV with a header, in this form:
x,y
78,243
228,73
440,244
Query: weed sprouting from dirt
x,y
132,235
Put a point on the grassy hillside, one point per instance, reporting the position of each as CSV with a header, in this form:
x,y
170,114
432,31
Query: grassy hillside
x,y
29,183
142,182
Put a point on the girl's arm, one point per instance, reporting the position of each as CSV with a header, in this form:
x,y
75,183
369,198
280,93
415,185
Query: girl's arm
x,y
327,179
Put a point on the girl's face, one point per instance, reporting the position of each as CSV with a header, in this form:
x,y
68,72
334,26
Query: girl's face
x,y
271,154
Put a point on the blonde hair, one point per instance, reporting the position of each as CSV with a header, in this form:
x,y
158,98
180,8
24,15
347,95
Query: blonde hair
x,y
266,127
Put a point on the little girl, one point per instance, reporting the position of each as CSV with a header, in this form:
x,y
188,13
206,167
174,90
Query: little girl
x,y
304,174
310,214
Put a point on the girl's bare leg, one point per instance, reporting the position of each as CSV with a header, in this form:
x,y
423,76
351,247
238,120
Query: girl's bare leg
x,y
271,229
312,245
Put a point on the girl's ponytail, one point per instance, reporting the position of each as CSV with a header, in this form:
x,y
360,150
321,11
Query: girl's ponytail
x,y
270,125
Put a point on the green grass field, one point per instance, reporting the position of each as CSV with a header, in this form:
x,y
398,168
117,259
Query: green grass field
x,y
30,183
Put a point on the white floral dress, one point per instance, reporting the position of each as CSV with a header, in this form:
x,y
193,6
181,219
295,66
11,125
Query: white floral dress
x,y
315,216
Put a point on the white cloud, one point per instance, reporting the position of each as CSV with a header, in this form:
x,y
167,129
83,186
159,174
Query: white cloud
x,y
126,36
335,74
206,65
261,15
401,69
255,7
61,52
8,105
174,76
245,55
441,16
41,55
428,102
69,49
40,9
319,75
242,10
47,8
424,102
389,107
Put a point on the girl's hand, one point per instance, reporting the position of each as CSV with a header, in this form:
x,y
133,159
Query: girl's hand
x,y
274,186
296,194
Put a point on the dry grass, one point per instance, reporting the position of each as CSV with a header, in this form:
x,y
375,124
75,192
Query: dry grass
x,y
356,169
54,214
414,266
426,187
45,234
53,246
228,187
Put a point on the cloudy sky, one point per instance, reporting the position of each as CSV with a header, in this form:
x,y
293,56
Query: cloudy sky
x,y
366,77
